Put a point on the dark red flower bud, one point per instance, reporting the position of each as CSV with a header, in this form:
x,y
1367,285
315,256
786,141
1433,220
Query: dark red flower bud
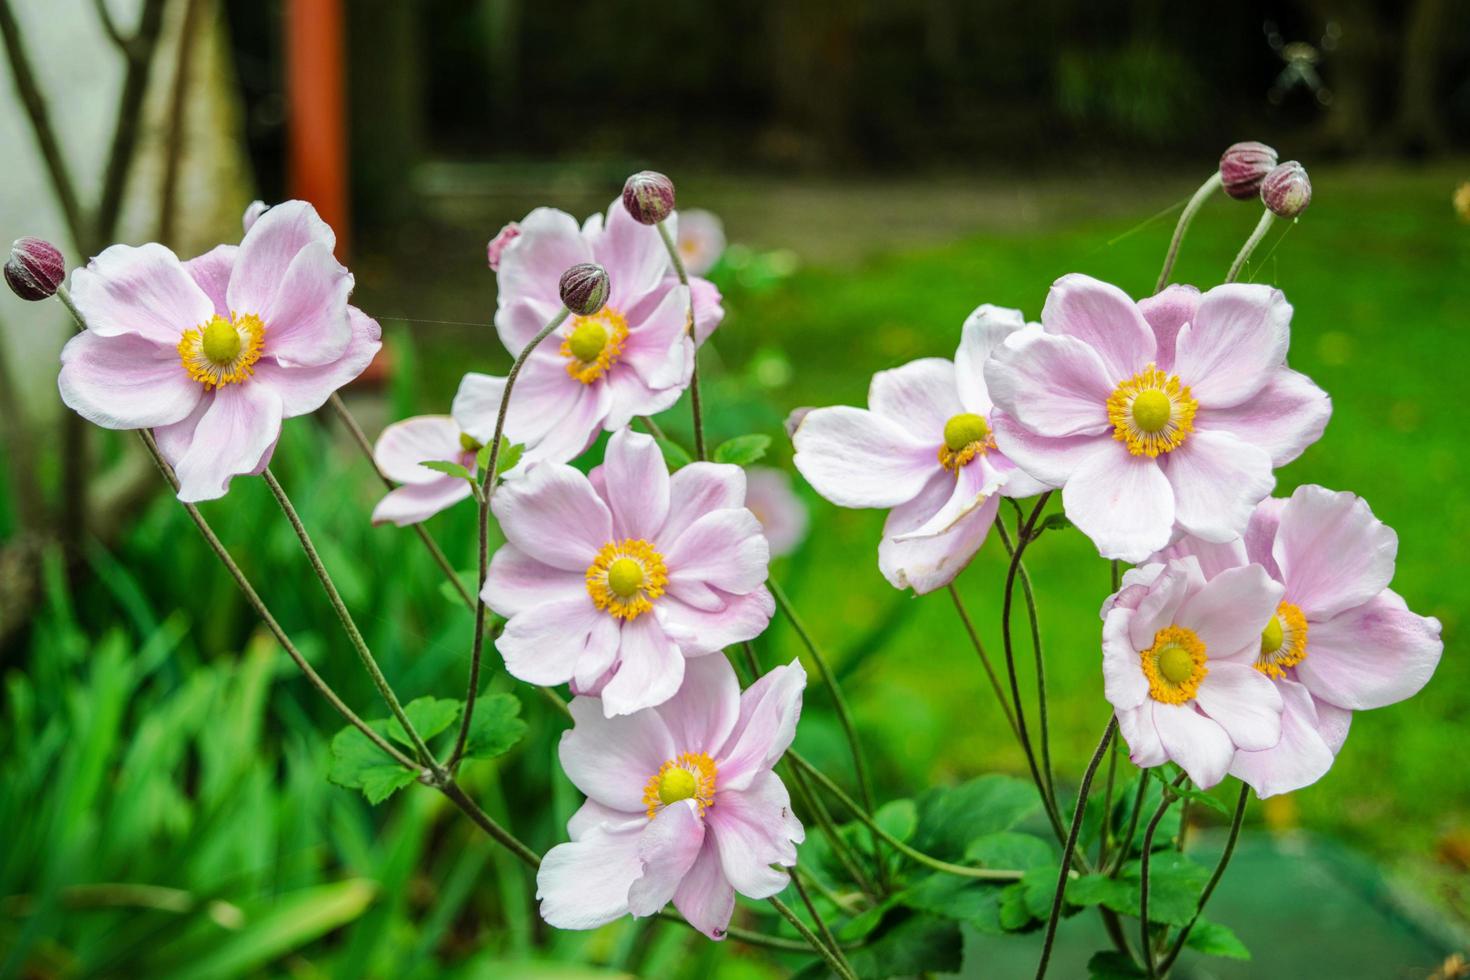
x,y
35,270
1287,191
1242,168
649,196
584,288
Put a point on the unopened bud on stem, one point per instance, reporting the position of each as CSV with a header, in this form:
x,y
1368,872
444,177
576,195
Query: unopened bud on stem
x,y
649,196
1242,168
35,269
584,288
1287,191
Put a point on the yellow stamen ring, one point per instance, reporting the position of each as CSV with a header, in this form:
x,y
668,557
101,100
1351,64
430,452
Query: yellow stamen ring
x,y
1174,665
625,578
223,350
965,436
1152,412
1283,642
594,343
691,776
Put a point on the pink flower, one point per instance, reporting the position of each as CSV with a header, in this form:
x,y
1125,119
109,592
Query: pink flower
x,y
924,448
213,353
633,357
1177,666
610,581
701,240
682,804
782,515
1340,641
1168,413
498,244
400,452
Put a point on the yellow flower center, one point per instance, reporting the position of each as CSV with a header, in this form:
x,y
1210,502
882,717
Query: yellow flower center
x,y
594,343
691,776
1283,642
222,351
1152,412
965,436
1174,665
625,578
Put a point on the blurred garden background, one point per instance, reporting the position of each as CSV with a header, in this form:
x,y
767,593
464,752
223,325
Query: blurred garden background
x,y
881,168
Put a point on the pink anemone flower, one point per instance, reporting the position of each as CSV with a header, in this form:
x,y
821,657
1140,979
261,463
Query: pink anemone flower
x,y
775,504
682,804
1177,666
633,357
701,240
1340,641
610,581
213,353
923,447
1155,417
401,451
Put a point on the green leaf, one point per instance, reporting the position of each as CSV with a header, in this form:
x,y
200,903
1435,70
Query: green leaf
x,y
974,902
1213,939
496,726
1014,915
917,944
1009,849
445,466
674,454
359,764
1112,965
510,455
900,818
428,715
1096,889
742,450
1056,522
1195,795
950,818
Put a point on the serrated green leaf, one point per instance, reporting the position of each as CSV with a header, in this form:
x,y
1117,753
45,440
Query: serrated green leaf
x,y
1213,939
510,455
950,818
1112,965
428,715
743,450
359,764
1056,522
446,467
1096,889
674,454
496,726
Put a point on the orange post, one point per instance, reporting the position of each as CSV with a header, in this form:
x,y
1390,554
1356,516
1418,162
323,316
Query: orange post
x,y
317,122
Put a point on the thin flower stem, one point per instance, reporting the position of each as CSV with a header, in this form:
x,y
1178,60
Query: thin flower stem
x,y
839,703
1262,226
348,624
961,870
839,966
486,491
1185,217
1125,843
267,617
1000,695
435,552
1105,837
1143,858
813,803
1235,824
1071,845
694,399
471,809
827,938
1043,723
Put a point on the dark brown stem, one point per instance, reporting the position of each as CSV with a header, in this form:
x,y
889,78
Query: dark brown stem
x,y
178,112
139,49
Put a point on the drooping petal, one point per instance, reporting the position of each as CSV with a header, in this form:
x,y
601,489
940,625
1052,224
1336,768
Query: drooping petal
x,y
542,645
856,458
175,439
1104,318
597,664
1244,702
973,485
700,631
1053,385
211,271
143,291
1333,553
769,710
1282,419
1372,655
1145,750
1199,745
637,485
611,760
705,897
306,320
926,564
1229,612
918,397
1124,685
125,381
1049,461
1298,760
984,330
420,501
754,828
1123,503
650,669
554,515
709,308
1237,339
231,439
701,716
1332,723
724,549
1166,313
305,389
584,884
403,446
668,847
1217,481
696,490
517,582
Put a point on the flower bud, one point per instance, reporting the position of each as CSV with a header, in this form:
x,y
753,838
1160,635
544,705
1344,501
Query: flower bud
x,y
1286,191
1242,168
499,244
649,196
584,288
35,270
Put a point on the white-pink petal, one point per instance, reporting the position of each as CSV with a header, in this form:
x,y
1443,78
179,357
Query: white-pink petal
x,y
1122,502
584,884
554,515
1301,757
1372,655
1237,339
754,829
1244,702
1229,612
233,438
769,710
1200,746
420,501
125,381
918,397
702,714
143,291
667,847
1053,385
856,458
403,446
1104,318
611,759
1332,552
650,668
1285,417
1217,480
